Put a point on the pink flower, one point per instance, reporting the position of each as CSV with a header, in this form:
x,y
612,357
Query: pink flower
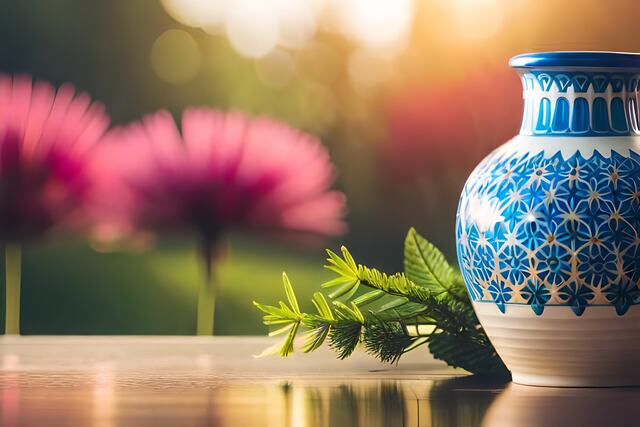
x,y
46,137
222,171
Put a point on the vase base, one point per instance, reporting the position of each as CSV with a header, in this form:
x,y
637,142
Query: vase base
x,y
560,349
574,382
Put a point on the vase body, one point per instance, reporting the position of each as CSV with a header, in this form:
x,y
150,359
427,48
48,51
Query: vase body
x,y
548,225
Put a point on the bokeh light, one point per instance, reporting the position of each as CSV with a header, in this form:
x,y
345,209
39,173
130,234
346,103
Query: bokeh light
x,y
477,19
252,28
320,62
367,70
376,24
175,57
276,68
255,27
196,13
297,21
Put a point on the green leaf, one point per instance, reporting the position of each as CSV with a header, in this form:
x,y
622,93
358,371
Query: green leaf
x,y
394,303
270,320
417,343
344,289
287,345
269,309
288,313
352,291
338,281
369,297
351,312
357,313
348,258
476,356
342,267
406,310
314,338
320,302
291,296
426,266
281,330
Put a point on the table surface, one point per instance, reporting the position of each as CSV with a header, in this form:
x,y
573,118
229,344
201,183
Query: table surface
x,y
200,381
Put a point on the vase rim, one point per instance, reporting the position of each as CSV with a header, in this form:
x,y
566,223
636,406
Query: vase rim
x,y
577,59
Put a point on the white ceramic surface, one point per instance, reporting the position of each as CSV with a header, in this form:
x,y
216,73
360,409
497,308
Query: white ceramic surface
x,y
597,349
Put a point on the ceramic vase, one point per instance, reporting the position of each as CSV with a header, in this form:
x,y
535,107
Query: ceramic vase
x,y
548,225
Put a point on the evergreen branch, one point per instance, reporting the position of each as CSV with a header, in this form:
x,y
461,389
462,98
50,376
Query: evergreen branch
x,y
447,314
345,326
430,292
388,341
474,355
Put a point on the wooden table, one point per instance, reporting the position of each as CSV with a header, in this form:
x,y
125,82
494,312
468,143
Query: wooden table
x,y
194,381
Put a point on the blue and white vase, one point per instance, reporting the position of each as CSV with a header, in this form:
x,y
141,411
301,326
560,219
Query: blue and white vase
x,y
548,225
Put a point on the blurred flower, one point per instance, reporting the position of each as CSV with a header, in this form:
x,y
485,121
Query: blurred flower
x,y
224,171
45,140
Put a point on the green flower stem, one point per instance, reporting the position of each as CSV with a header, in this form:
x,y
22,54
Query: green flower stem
x,y
13,255
206,296
206,307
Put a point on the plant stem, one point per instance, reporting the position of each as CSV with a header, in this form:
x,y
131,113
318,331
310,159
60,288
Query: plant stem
x,y
13,255
206,296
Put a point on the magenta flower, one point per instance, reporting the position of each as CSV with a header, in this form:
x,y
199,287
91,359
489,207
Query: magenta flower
x,y
46,137
224,171
45,140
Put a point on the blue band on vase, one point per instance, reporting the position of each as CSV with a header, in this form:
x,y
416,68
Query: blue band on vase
x,y
579,93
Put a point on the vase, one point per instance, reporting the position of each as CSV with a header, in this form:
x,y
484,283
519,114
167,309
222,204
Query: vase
x,y
548,225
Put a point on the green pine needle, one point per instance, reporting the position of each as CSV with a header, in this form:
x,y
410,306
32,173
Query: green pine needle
x,y
387,341
376,310
345,337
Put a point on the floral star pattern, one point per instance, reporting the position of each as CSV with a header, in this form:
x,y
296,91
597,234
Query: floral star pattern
x,y
550,230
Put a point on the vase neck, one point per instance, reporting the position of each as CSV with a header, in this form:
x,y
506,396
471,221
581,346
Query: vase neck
x,y
579,102
579,93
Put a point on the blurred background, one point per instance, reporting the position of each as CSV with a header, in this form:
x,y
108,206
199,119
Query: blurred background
x,y
408,95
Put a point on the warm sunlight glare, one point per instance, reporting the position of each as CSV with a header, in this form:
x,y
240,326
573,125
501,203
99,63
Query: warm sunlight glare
x,y
252,28
376,24
477,19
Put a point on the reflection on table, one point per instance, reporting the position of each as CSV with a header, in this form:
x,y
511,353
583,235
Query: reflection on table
x,y
143,381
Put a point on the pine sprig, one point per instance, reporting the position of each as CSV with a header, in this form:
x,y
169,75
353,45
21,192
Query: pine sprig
x,y
289,315
454,315
388,341
376,310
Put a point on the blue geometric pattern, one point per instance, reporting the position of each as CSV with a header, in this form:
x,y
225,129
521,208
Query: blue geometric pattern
x,y
584,103
545,230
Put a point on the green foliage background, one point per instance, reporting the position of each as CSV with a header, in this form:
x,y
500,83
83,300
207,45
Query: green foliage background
x,y
68,288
